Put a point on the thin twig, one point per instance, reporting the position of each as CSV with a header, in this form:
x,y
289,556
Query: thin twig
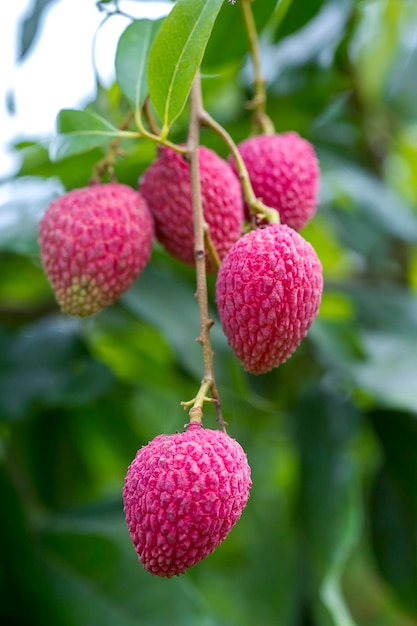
x,y
256,206
208,382
258,103
211,250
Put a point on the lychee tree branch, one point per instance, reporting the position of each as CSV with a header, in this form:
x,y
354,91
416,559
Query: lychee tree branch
x,y
258,104
208,383
256,206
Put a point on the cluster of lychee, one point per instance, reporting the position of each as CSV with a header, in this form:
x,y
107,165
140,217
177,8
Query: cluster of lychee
x,y
184,492
95,241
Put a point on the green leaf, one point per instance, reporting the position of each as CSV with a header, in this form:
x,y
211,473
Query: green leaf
x,y
161,289
21,574
393,532
132,58
291,17
359,192
281,11
80,131
176,55
158,291
74,171
389,370
309,45
397,433
30,26
222,49
326,428
47,362
394,503
391,308
97,579
380,364
23,289
401,163
375,45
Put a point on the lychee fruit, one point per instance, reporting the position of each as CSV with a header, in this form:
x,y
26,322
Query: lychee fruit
x,y
94,242
268,292
182,495
166,186
285,175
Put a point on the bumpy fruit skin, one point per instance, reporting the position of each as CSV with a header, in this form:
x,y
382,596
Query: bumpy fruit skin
x,y
268,292
166,187
94,242
284,173
182,495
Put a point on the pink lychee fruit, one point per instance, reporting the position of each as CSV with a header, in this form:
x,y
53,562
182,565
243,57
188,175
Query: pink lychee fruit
x,y
166,186
182,495
268,292
94,242
285,175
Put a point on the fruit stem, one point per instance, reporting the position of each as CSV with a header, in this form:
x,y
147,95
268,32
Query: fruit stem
x,y
256,206
196,410
155,135
208,382
261,120
211,250
161,140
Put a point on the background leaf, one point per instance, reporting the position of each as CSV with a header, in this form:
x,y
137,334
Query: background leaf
x,y
394,511
327,468
132,57
88,545
30,26
357,191
234,49
49,362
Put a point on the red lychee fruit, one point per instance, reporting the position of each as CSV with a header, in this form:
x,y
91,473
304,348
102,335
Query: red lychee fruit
x,y
182,495
94,242
285,175
268,292
166,186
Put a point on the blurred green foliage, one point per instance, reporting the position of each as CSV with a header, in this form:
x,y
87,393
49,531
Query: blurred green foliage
x,y
329,536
